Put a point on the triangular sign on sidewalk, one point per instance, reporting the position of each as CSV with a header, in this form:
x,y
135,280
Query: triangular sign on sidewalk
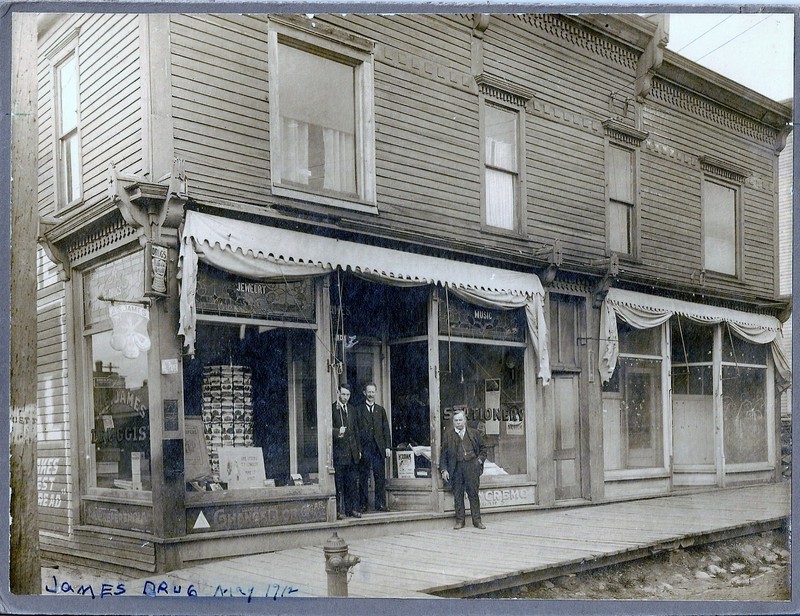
x,y
201,522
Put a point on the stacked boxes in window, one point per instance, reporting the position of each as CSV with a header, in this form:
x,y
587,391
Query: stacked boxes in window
x,y
227,410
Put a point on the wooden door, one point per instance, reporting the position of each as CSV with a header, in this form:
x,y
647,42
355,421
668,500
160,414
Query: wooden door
x,y
565,400
566,396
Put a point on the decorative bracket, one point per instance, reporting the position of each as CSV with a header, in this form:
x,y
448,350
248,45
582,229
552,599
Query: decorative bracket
x,y
54,252
781,137
148,205
651,59
602,287
555,258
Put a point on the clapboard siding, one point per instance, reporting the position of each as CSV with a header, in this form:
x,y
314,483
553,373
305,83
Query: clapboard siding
x,y
53,451
219,98
117,553
664,249
427,129
110,66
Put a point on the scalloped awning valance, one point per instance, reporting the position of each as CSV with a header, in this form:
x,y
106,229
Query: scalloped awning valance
x,y
643,311
261,252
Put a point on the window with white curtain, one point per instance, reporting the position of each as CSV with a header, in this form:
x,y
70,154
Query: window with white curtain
x,y
322,141
501,160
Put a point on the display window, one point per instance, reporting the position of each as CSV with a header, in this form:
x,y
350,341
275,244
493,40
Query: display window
x,y
250,397
692,393
486,381
633,404
116,346
744,397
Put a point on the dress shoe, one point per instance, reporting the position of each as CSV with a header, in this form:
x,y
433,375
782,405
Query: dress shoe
x,y
384,509
356,514
479,525
459,525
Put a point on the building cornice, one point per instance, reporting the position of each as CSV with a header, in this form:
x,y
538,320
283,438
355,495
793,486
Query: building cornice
x,y
725,92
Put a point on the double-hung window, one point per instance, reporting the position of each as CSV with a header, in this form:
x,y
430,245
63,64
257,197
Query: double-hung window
x,y
503,154
622,188
501,159
721,217
321,117
66,97
621,201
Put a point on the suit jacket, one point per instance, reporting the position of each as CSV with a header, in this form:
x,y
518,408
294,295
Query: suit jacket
x,y
451,442
375,427
347,448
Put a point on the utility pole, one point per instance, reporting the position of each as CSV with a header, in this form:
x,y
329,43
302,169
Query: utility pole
x,y
25,563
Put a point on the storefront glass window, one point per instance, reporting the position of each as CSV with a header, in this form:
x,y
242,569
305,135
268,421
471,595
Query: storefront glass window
x,y
117,344
410,419
692,392
250,393
633,404
744,400
487,381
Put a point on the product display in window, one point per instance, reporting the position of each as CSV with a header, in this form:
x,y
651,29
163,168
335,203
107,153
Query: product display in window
x,y
227,410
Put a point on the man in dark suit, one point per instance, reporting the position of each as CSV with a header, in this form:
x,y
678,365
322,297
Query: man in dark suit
x,y
376,446
461,462
346,454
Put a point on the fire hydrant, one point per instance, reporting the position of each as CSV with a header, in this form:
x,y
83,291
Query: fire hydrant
x,y
337,565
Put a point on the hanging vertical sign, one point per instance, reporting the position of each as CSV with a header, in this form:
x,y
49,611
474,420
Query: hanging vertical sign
x,y
155,269
129,329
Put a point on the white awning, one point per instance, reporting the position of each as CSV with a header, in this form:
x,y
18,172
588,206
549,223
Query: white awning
x,y
643,311
262,252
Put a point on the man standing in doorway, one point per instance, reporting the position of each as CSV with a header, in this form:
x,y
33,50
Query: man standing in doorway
x,y
346,454
461,462
376,446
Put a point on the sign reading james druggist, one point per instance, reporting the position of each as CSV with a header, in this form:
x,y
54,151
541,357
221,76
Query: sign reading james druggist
x,y
225,294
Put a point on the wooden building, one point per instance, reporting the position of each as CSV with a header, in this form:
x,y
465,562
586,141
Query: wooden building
x,y
549,221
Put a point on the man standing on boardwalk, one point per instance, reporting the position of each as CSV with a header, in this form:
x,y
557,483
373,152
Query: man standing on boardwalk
x,y
461,462
376,447
346,454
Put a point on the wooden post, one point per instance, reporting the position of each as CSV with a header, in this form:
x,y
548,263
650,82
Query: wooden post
x,y
25,566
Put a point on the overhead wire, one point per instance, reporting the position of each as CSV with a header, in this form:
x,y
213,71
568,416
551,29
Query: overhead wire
x,y
697,38
733,38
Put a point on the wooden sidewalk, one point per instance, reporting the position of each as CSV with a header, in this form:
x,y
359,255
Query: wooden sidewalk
x,y
516,548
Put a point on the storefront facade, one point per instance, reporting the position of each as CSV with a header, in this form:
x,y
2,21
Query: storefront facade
x,y
192,347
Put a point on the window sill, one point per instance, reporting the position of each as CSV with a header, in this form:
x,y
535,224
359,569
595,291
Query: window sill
x,y
695,468
251,495
625,258
109,495
506,233
711,276
632,474
750,467
338,202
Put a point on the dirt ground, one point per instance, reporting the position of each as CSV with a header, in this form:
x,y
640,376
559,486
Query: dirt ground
x,y
751,568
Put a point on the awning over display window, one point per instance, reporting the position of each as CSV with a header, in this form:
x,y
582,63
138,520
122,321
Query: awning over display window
x,y
643,311
263,253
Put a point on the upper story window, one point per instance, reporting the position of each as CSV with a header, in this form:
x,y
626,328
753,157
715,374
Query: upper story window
x,y
621,200
721,218
719,228
622,188
502,167
67,122
321,117
503,154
